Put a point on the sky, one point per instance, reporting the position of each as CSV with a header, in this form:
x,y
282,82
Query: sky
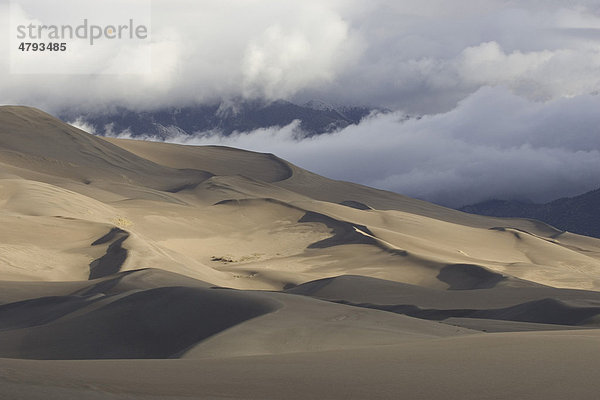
x,y
506,91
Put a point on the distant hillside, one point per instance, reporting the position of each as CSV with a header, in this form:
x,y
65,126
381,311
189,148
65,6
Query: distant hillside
x,y
580,214
225,117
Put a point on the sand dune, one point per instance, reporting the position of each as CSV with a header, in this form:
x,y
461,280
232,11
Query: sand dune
x,y
521,302
152,323
221,161
269,281
173,205
556,365
140,315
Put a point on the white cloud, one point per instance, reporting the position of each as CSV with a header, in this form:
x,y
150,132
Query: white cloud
x,y
282,60
420,56
79,123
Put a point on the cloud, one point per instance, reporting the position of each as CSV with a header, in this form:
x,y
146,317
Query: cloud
x,y
80,123
419,56
494,144
426,57
207,50
281,60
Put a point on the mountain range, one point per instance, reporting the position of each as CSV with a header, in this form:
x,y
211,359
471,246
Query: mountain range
x,y
579,214
225,117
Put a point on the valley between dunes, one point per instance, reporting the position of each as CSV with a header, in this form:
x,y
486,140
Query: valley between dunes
x,y
143,270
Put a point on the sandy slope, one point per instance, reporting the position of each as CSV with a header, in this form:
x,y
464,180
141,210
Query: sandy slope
x,y
555,365
113,249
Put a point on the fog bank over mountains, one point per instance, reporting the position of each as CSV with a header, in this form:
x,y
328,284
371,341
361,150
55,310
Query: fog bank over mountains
x,y
221,118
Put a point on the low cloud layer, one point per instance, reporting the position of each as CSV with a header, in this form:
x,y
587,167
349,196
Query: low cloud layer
x,y
494,144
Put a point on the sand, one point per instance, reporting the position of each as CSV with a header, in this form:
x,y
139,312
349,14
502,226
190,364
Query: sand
x,y
148,270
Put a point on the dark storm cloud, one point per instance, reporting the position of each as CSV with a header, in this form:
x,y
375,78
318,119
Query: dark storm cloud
x,y
419,56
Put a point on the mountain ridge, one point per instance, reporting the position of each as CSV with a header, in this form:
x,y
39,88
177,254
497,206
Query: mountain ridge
x,y
224,118
578,214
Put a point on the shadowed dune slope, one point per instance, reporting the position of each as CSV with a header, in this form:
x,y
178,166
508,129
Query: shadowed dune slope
x,y
32,139
103,322
527,303
361,289
156,314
